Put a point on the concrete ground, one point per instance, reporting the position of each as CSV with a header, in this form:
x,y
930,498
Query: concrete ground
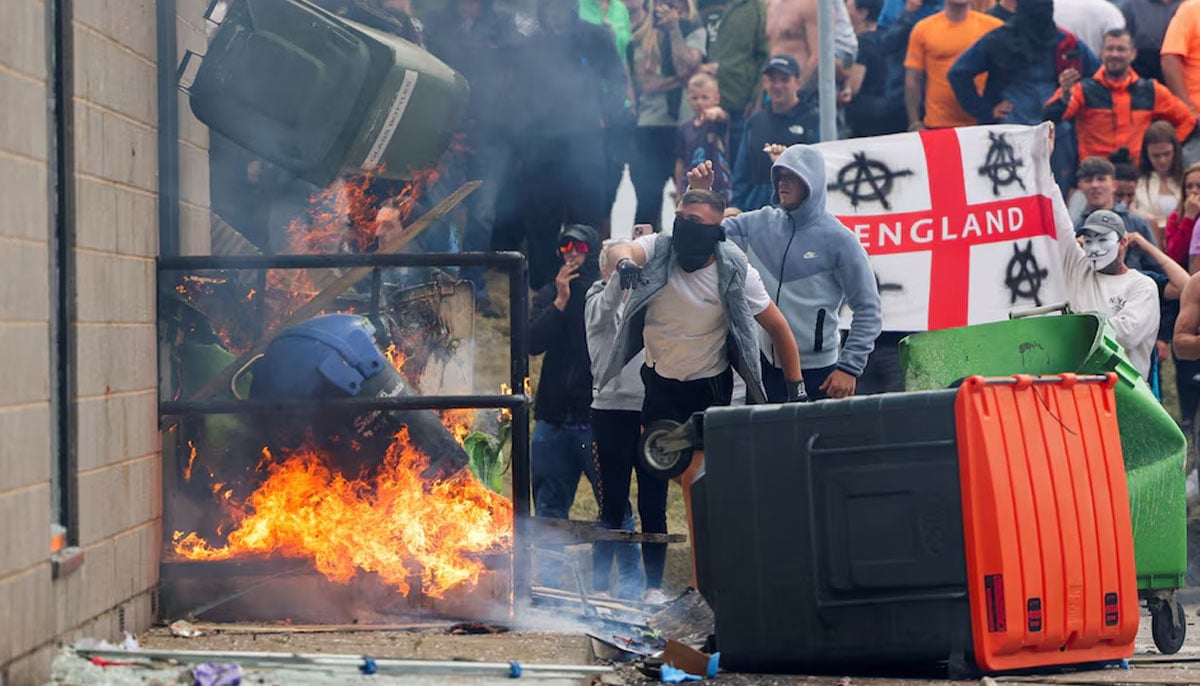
x,y
570,647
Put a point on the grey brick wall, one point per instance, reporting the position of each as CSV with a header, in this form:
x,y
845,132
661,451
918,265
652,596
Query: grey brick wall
x,y
118,466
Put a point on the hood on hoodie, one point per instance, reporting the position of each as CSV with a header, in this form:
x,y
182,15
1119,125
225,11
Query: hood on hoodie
x,y
590,270
808,163
584,233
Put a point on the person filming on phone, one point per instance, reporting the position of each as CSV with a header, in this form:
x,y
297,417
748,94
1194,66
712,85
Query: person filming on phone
x,y
1114,106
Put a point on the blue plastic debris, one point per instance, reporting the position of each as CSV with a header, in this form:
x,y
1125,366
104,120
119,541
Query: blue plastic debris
x,y
217,674
713,663
368,666
671,675
514,670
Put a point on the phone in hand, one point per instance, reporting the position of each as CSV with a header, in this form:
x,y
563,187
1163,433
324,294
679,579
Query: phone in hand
x,y
1068,59
640,230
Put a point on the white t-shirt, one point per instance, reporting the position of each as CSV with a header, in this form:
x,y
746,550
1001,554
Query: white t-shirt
x,y
1129,300
686,323
1088,20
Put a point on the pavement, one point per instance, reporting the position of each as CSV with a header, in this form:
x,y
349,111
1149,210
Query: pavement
x,y
569,646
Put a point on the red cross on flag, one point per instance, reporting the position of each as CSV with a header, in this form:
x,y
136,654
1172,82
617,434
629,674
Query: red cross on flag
x,y
958,222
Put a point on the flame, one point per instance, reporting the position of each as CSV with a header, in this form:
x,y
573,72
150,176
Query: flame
x,y
187,471
458,423
395,356
396,526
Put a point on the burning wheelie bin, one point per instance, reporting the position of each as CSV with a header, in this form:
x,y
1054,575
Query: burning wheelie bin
x,y
1154,447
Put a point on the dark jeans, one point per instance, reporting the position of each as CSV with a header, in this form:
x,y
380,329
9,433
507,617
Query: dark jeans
x,y
737,129
776,385
560,454
679,400
652,164
617,433
882,373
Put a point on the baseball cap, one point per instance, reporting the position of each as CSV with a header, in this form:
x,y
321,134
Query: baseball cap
x,y
784,63
1103,221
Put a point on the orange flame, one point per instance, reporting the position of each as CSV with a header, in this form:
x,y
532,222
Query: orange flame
x,y
187,471
397,526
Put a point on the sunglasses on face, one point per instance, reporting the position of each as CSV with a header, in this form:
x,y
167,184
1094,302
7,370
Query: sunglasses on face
x,y
574,246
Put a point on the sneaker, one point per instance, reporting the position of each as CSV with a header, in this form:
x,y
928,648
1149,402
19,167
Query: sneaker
x,y
655,596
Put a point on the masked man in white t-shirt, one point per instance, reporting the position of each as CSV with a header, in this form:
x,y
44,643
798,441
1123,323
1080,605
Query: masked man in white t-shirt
x,y
695,307
1097,280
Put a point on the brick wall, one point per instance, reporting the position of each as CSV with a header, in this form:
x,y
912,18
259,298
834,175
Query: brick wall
x,y
118,462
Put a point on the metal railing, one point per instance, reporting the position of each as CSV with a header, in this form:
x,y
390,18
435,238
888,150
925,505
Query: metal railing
x,y
518,402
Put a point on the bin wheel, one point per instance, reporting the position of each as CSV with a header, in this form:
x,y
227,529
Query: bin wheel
x,y
1168,626
663,451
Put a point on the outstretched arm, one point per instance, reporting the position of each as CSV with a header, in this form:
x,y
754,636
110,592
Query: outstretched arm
x,y
786,352
1177,276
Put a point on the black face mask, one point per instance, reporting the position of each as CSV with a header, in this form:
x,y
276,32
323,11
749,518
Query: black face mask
x,y
694,243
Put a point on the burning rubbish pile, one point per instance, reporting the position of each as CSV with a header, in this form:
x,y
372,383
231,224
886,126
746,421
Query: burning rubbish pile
x,y
387,494
328,497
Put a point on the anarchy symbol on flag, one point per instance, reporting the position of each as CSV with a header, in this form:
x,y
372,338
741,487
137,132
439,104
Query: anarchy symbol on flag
x,y
872,173
957,221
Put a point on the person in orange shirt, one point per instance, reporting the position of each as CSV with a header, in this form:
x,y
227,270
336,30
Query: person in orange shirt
x,y
1180,59
1114,107
935,43
1181,54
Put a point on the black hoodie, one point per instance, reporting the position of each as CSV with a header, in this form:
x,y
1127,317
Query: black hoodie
x,y
564,394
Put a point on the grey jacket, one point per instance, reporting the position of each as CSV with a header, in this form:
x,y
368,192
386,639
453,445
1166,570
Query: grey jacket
x,y
625,392
811,263
742,341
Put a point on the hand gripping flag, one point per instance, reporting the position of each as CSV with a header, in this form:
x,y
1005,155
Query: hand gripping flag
x,y
957,222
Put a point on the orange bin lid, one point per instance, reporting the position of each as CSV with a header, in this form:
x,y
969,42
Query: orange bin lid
x,y
1048,536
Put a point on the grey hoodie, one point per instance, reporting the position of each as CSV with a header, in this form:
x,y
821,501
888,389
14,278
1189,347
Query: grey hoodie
x,y
811,263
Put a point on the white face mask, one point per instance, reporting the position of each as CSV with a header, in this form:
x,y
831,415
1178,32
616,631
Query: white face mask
x,y
1101,249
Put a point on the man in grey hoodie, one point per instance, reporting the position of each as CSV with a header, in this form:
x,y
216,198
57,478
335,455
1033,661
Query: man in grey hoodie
x,y
811,264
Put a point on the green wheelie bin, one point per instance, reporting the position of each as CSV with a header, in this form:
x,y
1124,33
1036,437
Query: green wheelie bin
x,y
1154,447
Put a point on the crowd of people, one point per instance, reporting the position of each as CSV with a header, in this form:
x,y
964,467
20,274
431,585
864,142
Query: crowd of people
x,y
717,99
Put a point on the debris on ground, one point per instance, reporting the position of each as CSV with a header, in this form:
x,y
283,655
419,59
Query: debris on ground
x,y
217,674
184,629
690,660
475,628
687,619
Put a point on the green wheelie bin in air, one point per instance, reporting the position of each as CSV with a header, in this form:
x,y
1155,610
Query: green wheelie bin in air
x,y
1154,447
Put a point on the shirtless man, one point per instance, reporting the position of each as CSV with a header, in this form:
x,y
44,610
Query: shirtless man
x,y
792,29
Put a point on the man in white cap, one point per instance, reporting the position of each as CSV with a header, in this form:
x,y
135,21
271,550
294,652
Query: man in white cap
x,y
1097,280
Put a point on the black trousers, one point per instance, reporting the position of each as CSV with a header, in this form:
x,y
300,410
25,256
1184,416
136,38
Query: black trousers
x,y
560,181
616,433
882,373
679,400
775,384
652,164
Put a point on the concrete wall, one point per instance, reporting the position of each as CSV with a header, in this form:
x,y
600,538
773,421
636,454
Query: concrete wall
x,y
118,464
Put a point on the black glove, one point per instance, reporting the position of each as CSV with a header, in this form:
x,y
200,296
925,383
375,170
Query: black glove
x,y
796,392
631,273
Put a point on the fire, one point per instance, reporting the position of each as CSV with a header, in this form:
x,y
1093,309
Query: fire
x,y
397,526
458,423
187,471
